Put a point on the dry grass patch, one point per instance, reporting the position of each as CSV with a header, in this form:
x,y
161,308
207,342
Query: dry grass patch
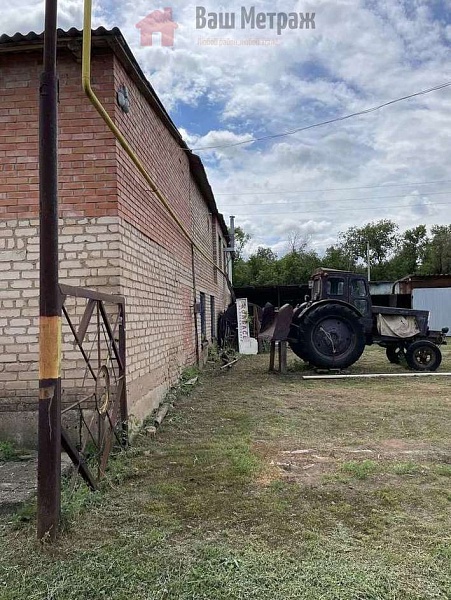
x,y
264,487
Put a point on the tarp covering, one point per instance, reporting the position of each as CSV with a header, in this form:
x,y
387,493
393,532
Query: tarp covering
x,y
397,326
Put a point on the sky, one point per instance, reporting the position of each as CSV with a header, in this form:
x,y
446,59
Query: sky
x,y
393,163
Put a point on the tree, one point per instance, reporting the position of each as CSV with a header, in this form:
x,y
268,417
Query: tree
x,y
241,240
337,257
240,266
296,242
438,251
381,237
297,267
263,267
411,256
241,275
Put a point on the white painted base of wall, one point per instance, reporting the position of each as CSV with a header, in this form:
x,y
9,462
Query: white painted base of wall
x,y
109,255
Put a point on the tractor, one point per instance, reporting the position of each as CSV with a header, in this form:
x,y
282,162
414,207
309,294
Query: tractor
x,y
331,328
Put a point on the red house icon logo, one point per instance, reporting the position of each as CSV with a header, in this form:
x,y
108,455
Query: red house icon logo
x,y
158,21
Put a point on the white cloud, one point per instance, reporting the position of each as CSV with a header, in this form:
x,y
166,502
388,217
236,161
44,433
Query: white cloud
x,y
360,54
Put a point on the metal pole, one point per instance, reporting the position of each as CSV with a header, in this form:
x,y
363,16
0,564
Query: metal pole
x,y
368,260
196,329
49,438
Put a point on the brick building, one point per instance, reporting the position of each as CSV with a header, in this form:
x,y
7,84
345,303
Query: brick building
x,y
115,235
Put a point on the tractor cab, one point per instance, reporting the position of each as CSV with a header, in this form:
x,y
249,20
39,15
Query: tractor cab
x,y
344,286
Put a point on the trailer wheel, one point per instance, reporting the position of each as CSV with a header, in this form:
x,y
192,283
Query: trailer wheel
x,y
394,354
331,336
423,355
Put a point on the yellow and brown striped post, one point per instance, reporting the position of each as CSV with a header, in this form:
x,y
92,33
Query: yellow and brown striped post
x,y
49,437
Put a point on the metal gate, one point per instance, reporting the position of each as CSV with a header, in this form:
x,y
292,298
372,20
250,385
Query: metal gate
x,y
98,408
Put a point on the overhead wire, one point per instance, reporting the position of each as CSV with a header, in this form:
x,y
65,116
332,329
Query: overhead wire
x,y
327,122
332,200
308,212
343,189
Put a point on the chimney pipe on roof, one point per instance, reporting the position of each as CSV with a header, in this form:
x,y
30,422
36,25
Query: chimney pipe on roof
x,y
232,235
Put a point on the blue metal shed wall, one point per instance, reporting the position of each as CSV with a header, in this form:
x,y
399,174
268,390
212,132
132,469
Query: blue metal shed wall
x,y
438,302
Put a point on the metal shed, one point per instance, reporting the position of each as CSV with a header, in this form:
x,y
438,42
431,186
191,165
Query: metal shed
x,y
438,302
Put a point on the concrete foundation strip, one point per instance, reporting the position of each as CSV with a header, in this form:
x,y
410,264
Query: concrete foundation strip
x,y
162,412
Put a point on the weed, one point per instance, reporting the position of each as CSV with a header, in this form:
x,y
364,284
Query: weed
x,y
25,514
406,468
189,373
8,451
443,470
297,366
242,462
76,498
360,469
388,497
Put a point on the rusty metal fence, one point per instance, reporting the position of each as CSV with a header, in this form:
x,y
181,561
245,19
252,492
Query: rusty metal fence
x,y
94,404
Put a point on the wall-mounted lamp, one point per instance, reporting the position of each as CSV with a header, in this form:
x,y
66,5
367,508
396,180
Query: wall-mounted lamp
x,y
123,99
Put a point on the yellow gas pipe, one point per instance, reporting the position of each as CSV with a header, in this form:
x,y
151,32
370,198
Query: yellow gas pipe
x,y
86,82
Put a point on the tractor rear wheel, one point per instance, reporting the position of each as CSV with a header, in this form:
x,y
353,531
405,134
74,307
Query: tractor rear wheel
x,y
298,349
423,355
330,336
293,337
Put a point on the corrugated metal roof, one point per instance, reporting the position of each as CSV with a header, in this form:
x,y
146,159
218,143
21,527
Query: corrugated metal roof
x,y
32,36
425,277
117,42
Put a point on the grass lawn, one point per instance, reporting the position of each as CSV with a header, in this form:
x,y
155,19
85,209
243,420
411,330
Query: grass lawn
x,y
265,487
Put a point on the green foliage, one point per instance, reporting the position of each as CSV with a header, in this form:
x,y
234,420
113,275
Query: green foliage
x,y
297,266
263,267
392,255
189,373
7,451
241,240
360,469
406,468
76,497
381,237
438,251
443,470
24,515
337,257
241,275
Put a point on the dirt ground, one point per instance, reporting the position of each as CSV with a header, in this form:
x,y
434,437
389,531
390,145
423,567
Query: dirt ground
x,y
17,483
262,486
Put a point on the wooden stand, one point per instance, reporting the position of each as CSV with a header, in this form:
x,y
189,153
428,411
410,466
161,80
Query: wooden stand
x,y
282,356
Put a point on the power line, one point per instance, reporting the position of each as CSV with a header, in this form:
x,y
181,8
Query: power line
x,y
328,122
361,187
318,201
309,212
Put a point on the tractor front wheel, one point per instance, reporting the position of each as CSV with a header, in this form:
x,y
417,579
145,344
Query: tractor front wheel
x,y
423,355
394,354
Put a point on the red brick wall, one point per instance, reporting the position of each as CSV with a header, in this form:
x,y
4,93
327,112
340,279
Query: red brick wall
x,y
165,161
96,176
146,257
168,166
87,149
